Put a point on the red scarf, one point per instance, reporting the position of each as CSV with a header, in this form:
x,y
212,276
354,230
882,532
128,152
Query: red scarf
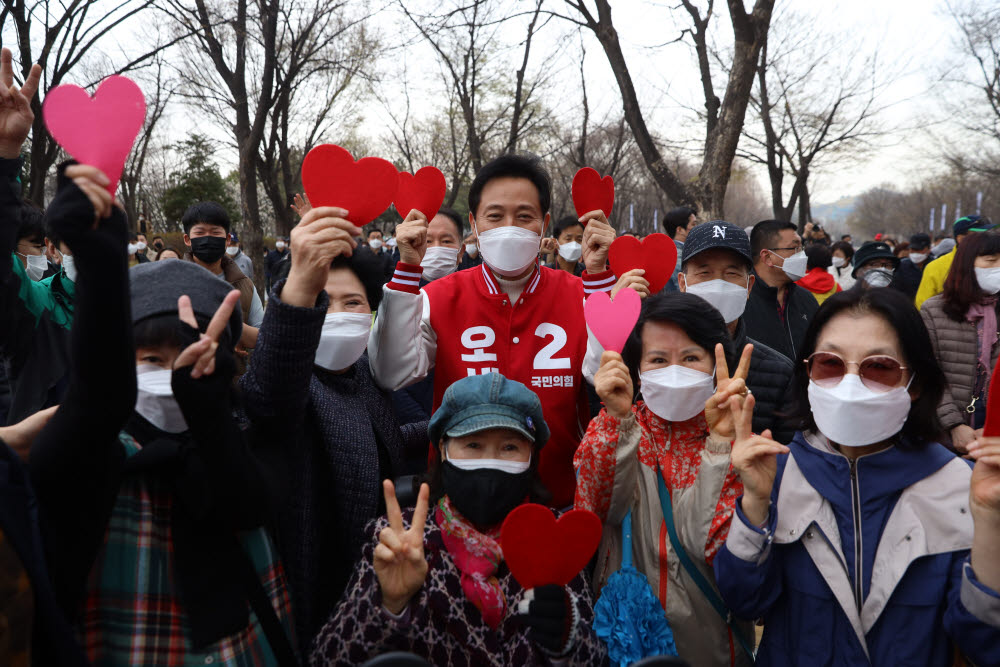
x,y
477,556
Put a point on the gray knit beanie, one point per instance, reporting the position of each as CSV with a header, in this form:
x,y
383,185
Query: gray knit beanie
x,y
156,286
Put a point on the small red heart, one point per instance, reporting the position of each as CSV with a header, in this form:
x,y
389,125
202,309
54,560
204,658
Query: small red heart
x,y
657,254
365,188
423,191
98,130
540,550
591,192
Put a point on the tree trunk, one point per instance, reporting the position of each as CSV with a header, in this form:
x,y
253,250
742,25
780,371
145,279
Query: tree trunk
x,y
805,210
606,34
750,31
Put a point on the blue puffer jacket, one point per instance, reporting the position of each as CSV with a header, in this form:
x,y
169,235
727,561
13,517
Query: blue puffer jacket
x,y
892,530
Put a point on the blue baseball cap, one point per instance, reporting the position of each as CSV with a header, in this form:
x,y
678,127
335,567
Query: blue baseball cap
x,y
482,402
972,223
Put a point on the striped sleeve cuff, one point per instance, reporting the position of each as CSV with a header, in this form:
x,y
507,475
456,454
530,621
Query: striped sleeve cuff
x,y
406,278
598,282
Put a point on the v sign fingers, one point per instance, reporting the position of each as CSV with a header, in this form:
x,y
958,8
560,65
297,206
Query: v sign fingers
x,y
184,311
721,365
221,318
744,367
420,512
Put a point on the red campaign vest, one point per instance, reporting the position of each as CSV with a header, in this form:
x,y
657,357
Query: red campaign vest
x,y
540,342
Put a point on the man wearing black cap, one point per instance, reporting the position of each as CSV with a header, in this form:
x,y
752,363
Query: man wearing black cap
x,y
911,268
932,282
717,266
874,265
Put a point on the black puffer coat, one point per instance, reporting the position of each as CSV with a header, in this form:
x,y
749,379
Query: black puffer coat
x,y
765,325
769,379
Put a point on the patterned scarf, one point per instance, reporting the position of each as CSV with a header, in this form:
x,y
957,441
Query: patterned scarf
x,y
477,556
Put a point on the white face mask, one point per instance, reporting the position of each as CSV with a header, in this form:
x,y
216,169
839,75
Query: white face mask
x,y
132,247
343,339
391,243
725,297
918,257
512,467
36,266
439,261
838,262
794,266
156,401
676,393
69,266
571,252
141,245
988,279
877,277
853,415
232,250
280,245
471,249
509,250
375,244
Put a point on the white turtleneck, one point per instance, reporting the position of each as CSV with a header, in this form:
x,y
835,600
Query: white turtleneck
x,y
513,288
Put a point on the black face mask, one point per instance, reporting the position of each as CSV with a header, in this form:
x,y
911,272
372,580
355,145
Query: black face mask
x,y
484,496
208,249
157,245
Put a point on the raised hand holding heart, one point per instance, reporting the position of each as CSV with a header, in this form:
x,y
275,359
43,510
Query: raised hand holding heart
x,y
423,191
656,253
365,188
539,550
98,130
591,192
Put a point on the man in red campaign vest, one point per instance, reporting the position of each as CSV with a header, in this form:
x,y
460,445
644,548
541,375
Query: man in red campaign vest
x,y
508,315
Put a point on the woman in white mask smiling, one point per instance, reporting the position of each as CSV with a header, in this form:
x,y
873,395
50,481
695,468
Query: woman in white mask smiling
x,y
962,322
341,438
667,456
854,542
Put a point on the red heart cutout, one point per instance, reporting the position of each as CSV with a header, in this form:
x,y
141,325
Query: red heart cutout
x,y
991,427
540,550
423,191
656,253
591,192
98,130
365,188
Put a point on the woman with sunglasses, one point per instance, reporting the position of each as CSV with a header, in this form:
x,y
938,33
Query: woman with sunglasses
x,y
962,322
861,543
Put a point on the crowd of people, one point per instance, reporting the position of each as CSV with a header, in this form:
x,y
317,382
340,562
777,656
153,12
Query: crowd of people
x,y
789,450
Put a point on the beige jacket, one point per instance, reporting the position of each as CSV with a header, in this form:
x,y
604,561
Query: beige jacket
x,y
616,465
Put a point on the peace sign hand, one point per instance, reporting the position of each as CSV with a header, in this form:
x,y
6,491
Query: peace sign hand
x,y
399,556
16,115
717,412
202,353
755,458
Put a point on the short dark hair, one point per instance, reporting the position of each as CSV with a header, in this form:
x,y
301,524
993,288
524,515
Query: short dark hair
x,y
164,329
700,321
819,256
844,247
565,223
512,166
368,268
165,248
765,234
961,289
372,230
455,217
845,236
677,217
31,225
922,425
208,212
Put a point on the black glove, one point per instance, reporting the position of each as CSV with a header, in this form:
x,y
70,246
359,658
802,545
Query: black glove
x,y
550,616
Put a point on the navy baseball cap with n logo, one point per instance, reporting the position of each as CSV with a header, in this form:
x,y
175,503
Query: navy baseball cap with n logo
x,y
717,234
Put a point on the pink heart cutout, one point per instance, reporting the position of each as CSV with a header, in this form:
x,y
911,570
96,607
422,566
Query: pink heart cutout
x,y
98,130
612,322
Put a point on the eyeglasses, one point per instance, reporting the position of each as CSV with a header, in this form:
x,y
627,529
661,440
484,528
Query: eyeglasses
x,y
879,372
796,248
